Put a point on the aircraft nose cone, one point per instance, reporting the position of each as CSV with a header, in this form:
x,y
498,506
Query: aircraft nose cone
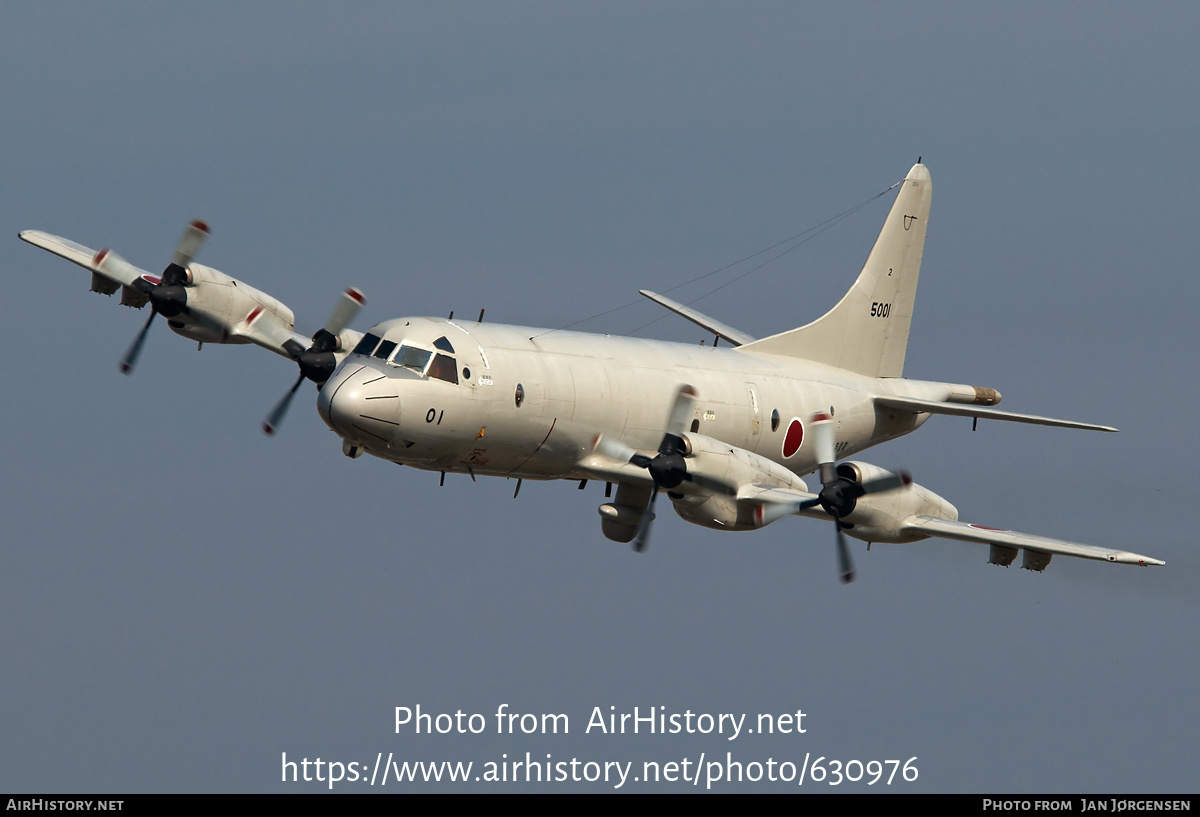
x,y
360,404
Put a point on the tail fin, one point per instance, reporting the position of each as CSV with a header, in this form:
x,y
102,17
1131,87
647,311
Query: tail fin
x,y
867,332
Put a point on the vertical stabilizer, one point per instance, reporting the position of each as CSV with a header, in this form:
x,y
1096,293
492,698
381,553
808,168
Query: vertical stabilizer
x,y
867,332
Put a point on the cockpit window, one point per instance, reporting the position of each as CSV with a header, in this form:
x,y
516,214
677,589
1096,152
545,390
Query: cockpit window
x,y
443,344
421,361
413,357
444,368
367,344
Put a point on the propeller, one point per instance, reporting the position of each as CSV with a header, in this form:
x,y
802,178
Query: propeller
x,y
168,296
668,469
318,361
839,494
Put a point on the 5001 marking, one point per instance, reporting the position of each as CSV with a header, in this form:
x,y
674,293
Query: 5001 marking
x,y
879,310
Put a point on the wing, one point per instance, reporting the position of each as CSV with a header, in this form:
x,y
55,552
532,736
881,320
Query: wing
x,y
772,502
208,306
257,318
64,248
1005,543
109,271
601,467
775,495
265,329
891,515
903,516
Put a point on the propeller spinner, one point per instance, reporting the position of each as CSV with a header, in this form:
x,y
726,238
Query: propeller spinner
x,y
318,361
668,469
838,494
168,297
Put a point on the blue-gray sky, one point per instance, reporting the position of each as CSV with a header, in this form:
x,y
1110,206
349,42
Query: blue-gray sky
x,y
183,599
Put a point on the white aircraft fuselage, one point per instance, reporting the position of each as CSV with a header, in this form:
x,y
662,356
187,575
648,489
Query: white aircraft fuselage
x,y
574,386
727,432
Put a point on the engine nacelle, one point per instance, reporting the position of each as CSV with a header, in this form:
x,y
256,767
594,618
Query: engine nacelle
x,y
732,466
216,303
715,511
878,517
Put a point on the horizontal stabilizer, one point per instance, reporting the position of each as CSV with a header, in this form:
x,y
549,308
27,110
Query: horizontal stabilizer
x,y
980,412
730,334
945,528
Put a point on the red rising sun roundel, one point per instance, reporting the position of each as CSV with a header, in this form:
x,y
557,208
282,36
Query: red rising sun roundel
x,y
793,438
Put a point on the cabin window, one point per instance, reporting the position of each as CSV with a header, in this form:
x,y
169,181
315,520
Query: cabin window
x,y
519,397
444,368
367,344
774,419
385,349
